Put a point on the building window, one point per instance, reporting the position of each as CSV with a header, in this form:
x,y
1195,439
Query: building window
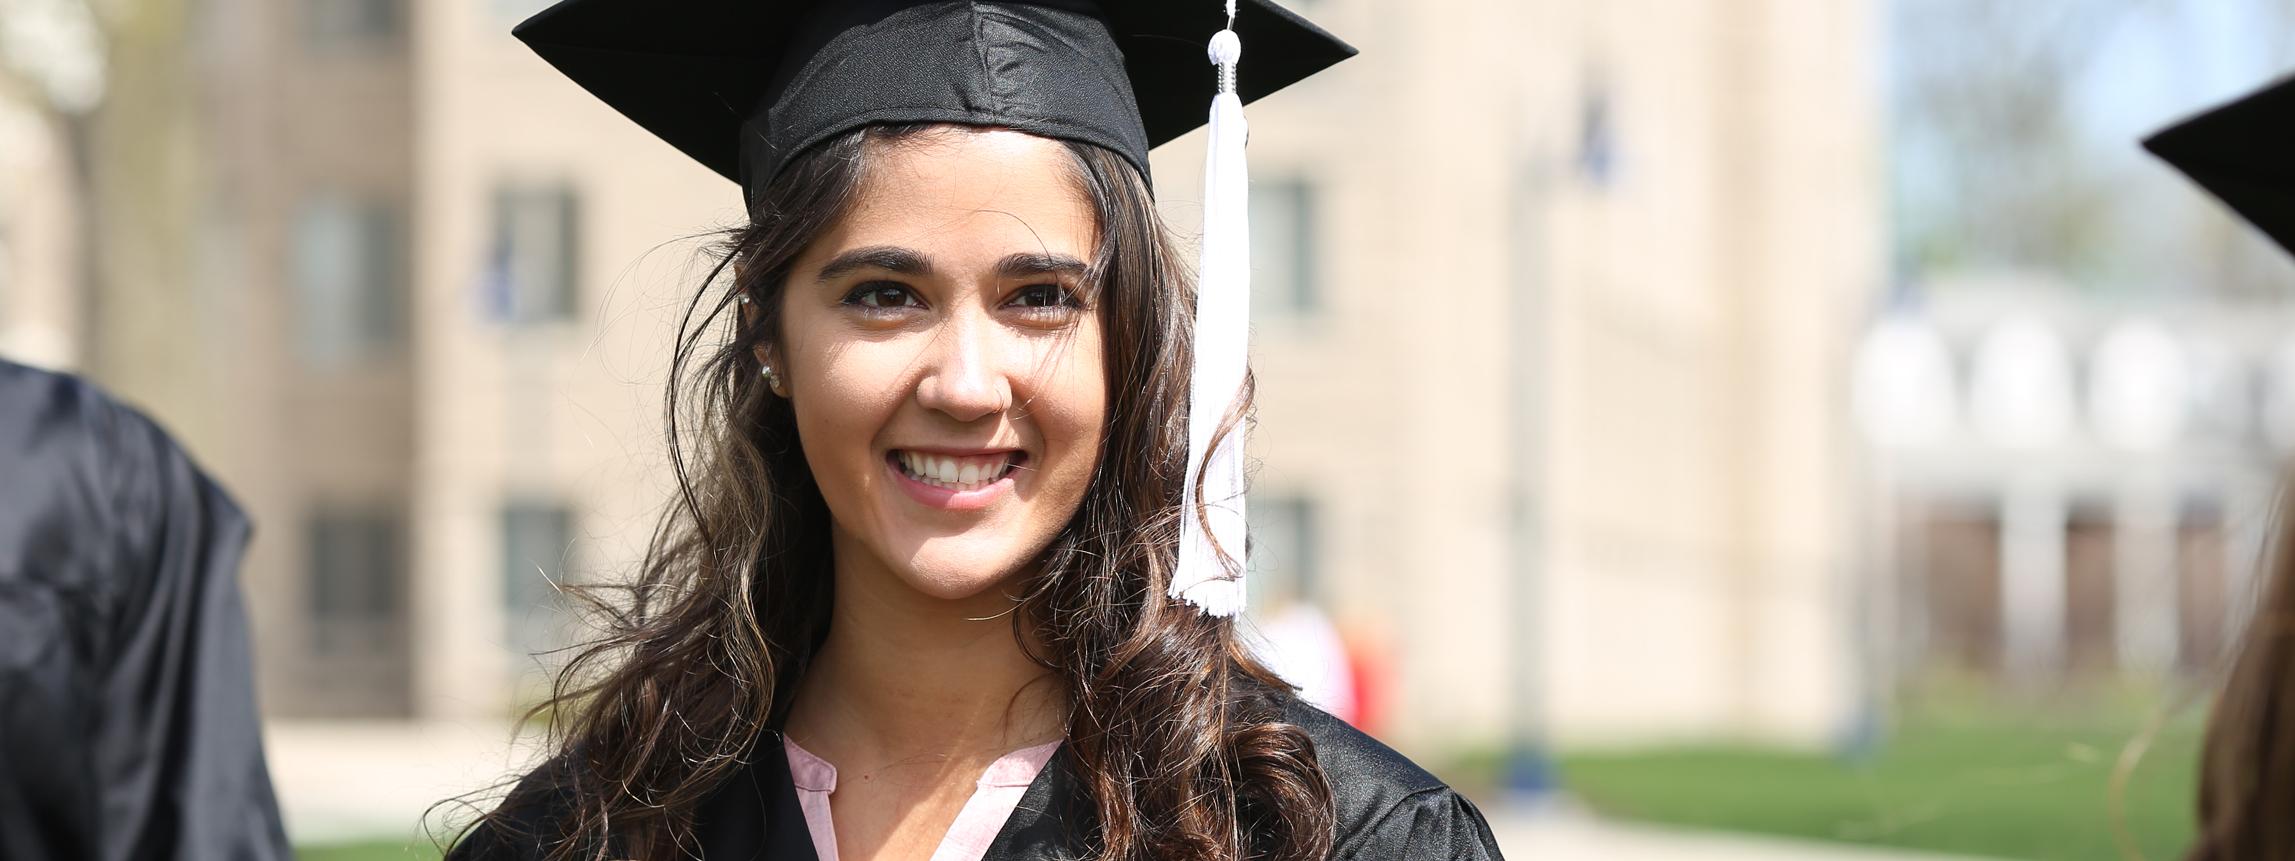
x,y
349,278
357,581
337,24
531,265
1283,247
537,541
1284,563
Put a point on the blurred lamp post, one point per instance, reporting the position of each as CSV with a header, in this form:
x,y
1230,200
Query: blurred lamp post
x,y
1529,768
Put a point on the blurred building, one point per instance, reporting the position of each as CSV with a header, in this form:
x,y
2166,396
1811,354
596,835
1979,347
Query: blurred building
x,y
2069,487
446,375
1554,307
39,317
1553,314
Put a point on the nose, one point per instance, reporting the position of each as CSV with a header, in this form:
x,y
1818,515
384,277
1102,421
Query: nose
x,y
963,378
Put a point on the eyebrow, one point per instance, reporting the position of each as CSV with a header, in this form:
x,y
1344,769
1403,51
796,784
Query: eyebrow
x,y
887,257
893,258
1024,265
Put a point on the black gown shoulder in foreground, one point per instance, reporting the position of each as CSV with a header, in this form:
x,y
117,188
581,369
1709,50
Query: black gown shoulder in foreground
x,y
1387,806
128,729
1388,809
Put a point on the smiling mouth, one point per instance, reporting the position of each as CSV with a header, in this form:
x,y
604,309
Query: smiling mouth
x,y
959,474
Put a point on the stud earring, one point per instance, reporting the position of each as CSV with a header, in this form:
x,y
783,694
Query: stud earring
x,y
771,381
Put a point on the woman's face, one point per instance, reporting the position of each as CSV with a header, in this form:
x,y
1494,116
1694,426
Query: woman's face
x,y
941,355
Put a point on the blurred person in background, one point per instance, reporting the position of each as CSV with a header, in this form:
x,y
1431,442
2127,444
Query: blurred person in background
x,y
1305,649
2244,153
128,728
925,590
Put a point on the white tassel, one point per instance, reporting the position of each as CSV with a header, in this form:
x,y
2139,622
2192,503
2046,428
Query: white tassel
x,y
1210,574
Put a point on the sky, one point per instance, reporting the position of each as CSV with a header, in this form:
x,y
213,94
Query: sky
x,y
2168,58
1965,195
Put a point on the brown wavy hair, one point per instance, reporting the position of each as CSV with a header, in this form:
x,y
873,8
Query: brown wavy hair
x,y
1176,731
2247,766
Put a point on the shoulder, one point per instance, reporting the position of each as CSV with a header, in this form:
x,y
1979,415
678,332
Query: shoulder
x,y
104,491
527,823
64,443
1366,776
1385,805
49,415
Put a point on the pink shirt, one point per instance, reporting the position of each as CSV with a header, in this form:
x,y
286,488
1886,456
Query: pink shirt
x,y
993,798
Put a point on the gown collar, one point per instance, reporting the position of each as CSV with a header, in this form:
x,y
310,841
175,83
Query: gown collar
x,y
756,816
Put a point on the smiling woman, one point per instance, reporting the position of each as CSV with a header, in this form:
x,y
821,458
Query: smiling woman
x,y
915,599
915,329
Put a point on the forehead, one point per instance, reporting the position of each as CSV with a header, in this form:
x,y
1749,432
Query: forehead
x,y
958,191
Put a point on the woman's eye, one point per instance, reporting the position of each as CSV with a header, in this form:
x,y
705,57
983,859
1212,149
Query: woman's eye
x,y
882,295
1036,296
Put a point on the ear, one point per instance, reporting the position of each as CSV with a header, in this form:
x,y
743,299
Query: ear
x,y
769,365
763,352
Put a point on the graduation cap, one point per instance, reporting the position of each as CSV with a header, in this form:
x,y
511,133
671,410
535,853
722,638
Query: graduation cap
x,y
744,86
2244,153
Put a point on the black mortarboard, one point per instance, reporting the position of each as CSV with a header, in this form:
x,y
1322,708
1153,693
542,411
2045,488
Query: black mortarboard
x,y
2244,152
744,85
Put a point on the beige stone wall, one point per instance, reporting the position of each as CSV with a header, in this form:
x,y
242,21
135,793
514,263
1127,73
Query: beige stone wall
x,y
1686,328
564,410
215,343
1698,334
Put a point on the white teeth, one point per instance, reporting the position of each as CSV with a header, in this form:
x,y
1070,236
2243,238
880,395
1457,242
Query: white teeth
x,y
959,474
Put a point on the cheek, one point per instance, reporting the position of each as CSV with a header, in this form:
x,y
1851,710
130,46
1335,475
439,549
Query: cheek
x,y
1072,405
841,406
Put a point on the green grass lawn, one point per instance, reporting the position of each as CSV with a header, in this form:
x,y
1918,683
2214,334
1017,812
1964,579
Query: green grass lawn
x,y
1979,783
377,850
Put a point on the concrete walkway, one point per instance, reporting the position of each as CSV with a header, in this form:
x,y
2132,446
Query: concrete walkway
x,y
340,782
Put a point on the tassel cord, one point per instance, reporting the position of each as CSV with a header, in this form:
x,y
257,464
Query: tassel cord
x,y
1212,558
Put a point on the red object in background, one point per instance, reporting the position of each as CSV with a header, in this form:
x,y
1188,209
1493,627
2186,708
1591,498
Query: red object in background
x,y
1370,668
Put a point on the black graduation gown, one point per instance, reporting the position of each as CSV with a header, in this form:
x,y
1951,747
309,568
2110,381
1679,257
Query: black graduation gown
x,y
1388,809
128,728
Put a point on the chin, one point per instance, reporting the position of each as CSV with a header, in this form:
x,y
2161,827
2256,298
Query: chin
x,y
958,580
958,567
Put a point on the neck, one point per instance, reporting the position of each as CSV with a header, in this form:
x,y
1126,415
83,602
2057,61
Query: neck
x,y
904,675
